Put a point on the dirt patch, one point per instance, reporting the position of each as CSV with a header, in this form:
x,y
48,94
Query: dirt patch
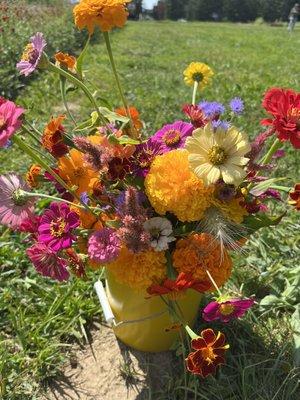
x,y
109,370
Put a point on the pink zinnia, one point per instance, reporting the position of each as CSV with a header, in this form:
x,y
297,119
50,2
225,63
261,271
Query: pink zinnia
x,y
9,121
32,54
57,225
104,246
173,136
226,310
47,262
15,206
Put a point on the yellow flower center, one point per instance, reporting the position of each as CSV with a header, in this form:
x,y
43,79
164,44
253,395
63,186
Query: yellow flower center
x,y
28,52
198,76
171,137
208,354
217,155
57,228
226,309
2,123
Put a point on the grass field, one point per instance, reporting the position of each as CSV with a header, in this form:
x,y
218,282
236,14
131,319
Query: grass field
x,y
41,319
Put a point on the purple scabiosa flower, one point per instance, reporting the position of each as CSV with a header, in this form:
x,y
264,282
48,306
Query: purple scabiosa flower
x,y
47,262
220,124
173,136
143,156
15,206
212,109
10,121
56,226
227,310
32,54
237,105
104,246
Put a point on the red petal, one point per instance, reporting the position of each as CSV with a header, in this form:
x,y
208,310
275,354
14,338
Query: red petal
x,y
198,344
209,336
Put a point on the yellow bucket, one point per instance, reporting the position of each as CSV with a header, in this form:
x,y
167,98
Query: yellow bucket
x,y
143,323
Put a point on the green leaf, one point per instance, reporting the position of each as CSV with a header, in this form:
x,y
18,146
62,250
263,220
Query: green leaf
x,y
295,323
81,57
112,116
127,140
261,187
257,221
113,223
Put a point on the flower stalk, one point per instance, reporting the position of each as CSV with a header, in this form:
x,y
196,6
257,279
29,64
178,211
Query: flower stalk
x,y
195,88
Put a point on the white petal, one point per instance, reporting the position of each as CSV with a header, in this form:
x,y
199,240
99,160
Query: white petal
x,y
232,174
213,175
202,170
238,160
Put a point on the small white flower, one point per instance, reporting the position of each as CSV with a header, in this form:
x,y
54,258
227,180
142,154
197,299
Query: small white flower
x,y
160,230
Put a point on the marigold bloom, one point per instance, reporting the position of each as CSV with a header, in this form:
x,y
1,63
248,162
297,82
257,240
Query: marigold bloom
x,y
106,14
235,209
295,197
172,186
47,262
32,54
218,154
134,115
210,349
139,270
226,310
32,176
199,253
66,61
198,72
10,121
53,139
284,106
74,171
174,288
57,225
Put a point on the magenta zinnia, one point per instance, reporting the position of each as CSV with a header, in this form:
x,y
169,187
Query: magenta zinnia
x,y
57,225
15,206
104,246
47,262
9,121
173,136
226,310
32,54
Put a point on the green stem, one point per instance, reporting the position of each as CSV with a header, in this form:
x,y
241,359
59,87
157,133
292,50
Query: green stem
x,y
214,283
275,146
170,269
46,196
195,92
31,134
77,83
114,69
39,134
64,99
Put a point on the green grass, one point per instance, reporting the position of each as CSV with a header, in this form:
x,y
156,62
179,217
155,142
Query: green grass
x,y
40,318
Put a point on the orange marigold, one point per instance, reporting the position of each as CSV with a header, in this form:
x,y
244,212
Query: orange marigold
x,y
172,186
65,60
139,270
233,210
52,139
32,175
106,14
199,253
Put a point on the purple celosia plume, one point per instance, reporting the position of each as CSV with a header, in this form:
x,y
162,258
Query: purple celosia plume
x,y
57,225
32,54
47,262
104,246
227,310
94,154
172,136
15,206
10,121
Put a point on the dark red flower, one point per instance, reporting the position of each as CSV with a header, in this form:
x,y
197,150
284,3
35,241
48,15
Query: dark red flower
x,y
75,263
210,349
295,197
118,168
174,287
284,106
195,114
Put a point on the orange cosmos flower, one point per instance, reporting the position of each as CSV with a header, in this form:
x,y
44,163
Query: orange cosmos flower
x,y
295,197
52,139
66,61
73,171
210,349
106,14
32,175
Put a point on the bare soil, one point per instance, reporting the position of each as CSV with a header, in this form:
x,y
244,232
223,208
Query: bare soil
x,y
108,370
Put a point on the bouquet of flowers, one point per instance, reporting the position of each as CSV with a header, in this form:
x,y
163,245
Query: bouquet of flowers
x,y
161,211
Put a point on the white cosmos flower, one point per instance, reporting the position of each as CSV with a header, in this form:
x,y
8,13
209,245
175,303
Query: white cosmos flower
x,y
218,154
160,230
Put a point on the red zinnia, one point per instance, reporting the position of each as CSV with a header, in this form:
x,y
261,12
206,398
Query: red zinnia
x,y
195,114
174,287
295,197
284,106
210,349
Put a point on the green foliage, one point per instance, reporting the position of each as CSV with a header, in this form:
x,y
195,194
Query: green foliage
x,y
241,10
176,9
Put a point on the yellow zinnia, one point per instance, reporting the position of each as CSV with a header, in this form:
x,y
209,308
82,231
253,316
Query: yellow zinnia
x,y
171,186
106,14
215,154
198,72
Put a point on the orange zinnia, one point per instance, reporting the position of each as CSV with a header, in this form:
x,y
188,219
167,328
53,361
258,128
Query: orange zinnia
x,y
73,171
52,139
106,14
32,175
210,349
65,60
